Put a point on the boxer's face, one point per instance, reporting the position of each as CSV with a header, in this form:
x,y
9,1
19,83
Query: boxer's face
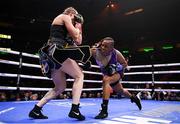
x,y
72,16
106,47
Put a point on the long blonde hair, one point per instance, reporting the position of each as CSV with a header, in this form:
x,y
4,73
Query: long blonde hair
x,y
70,10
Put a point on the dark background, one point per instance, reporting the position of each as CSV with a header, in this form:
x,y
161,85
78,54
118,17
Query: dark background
x,y
29,21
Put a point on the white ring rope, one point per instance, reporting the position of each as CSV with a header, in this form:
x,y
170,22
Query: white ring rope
x,y
17,53
159,90
85,89
88,72
98,73
92,81
8,75
38,66
150,82
42,78
17,63
44,89
95,66
155,65
155,72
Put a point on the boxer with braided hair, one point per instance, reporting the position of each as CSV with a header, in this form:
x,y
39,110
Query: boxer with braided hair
x,y
66,29
112,65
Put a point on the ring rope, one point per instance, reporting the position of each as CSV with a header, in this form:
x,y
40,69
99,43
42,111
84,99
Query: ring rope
x,y
150,82
41,77
17,63
155,72
157,90
155,65
92,81
98,73
85,89
17,53
38,66
44,89
95,66
89,72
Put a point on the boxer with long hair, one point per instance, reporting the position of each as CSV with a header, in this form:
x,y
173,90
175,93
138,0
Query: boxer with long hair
x,y
66,30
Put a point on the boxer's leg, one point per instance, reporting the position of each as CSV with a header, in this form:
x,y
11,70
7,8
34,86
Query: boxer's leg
x,y
60,84
72,68
119,88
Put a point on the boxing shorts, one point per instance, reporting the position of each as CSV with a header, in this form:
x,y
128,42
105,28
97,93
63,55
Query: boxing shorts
x,y
52,57
46,60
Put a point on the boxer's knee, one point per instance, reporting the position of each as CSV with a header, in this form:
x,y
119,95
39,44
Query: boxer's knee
x,y
79,76
106,80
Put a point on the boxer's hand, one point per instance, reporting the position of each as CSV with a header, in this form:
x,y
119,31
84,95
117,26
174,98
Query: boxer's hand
x,y
87,65
78,25
97,45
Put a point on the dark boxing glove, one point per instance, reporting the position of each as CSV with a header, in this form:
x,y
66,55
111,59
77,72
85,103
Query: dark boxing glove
x,y
113,68
87,65
79,18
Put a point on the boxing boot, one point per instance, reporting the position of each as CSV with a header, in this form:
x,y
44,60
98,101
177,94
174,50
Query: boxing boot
x,y
36,113
135,99
75,113
103,112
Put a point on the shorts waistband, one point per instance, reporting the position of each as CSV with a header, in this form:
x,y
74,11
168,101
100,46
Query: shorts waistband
x,y
60,43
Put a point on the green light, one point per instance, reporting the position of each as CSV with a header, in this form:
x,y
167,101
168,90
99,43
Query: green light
x,y
148,49
37,54
125,51
3,53
167,47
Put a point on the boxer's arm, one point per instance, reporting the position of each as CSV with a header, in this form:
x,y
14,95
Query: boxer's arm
x,y
121,59
74,32
78,40
93,51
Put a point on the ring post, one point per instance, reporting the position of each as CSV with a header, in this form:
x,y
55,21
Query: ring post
x,y
19,72
152,63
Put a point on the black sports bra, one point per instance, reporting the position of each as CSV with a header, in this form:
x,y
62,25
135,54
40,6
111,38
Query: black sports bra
x,y
58,31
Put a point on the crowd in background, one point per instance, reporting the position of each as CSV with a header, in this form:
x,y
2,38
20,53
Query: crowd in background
x,y
37,95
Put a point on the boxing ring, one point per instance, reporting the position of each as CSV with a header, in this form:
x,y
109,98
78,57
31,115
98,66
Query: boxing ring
x,y
121,111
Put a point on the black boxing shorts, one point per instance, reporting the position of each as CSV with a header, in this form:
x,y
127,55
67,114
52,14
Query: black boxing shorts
x,y
114,84
52,57
46,60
